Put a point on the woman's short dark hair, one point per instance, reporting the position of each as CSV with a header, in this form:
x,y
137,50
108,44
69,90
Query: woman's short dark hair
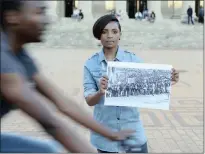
x,y
101,23
8,5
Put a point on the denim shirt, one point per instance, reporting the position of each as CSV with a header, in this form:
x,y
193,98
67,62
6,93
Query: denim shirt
x,y
115,118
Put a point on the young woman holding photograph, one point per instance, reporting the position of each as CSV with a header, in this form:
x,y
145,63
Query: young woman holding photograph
x,y
107,29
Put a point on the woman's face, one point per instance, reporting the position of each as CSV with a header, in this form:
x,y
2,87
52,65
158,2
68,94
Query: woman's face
x,y
110,35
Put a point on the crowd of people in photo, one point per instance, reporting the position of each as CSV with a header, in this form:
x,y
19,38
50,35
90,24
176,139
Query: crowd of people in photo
x,y
143,82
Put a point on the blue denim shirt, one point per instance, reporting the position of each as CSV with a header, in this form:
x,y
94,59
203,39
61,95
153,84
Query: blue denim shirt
x,y
115,118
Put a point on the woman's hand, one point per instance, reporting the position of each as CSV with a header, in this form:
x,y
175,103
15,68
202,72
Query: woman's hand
x,y
122,135
103,84
175,76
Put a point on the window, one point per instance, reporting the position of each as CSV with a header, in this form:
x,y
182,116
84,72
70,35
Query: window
x,y
175,4
76,3
202,3
109,5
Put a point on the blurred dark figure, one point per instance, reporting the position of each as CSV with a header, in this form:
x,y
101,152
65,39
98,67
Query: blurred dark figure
x,y
190,15
81,15
152,17
145,13
201,15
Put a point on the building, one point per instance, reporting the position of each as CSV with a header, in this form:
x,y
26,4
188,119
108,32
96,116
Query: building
x,y
92,9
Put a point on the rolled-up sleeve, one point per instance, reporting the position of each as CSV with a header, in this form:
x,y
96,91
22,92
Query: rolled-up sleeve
x,y
89,83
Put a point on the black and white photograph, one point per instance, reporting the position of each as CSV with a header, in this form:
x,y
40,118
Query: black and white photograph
x,y
138,85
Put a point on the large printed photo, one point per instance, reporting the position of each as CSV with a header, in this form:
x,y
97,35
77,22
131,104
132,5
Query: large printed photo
x,y
135,86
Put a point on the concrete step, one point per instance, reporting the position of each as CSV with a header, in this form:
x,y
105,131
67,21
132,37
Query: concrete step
x,y
168,33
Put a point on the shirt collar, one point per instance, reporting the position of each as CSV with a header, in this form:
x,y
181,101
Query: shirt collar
x,y
119,56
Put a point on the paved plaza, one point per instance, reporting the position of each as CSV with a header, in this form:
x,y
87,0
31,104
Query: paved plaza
x,y
178,130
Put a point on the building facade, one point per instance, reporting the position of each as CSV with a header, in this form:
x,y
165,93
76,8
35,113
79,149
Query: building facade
x,y
128,8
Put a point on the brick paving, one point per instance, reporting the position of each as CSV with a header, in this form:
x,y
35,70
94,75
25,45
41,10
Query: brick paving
x,y
179,130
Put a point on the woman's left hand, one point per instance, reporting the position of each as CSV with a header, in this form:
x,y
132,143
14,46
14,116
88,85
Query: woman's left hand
x,y
175,76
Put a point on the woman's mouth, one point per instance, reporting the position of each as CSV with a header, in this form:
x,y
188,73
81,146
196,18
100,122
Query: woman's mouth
x,y
110,41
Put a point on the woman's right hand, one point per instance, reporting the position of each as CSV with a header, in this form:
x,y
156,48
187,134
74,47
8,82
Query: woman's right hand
x,y
103,84
122,135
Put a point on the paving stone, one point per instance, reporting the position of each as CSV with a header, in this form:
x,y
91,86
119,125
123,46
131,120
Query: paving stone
x,y
172,144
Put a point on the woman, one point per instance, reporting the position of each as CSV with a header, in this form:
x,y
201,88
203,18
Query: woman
x,y
108,30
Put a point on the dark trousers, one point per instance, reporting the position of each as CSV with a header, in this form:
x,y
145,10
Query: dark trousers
x,y
201,19
190,18
144,149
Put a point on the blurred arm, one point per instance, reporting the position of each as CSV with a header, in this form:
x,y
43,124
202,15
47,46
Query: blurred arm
x,y
91,93
14,90
69,107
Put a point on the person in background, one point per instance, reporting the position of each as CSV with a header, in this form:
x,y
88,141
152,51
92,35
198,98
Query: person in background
x,y
119,15
107,29
138,15
201,15
152,17
76,12
145,13
190,15
81,15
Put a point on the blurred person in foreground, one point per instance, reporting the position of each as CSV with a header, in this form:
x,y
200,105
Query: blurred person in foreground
x,y
24,22
107,29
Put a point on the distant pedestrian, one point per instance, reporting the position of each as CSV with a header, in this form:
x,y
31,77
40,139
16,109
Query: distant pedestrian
x,y
190,15
138,15
81,15
152,17
201,15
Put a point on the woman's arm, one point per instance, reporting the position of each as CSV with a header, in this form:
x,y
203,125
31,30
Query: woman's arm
x,y
91,92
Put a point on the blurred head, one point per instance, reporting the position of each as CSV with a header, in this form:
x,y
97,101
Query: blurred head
x,y
26,19
107,29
